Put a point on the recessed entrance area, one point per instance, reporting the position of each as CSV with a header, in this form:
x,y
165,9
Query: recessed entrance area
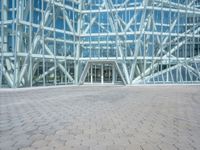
x,y
102,73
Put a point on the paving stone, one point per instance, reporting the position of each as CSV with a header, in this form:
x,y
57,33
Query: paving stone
x,y
98,147
115,147
37,136
100,118
39,143
27,148
77,147
6,145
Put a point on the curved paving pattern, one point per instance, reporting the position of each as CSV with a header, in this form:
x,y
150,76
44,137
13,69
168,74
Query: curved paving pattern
x,y
103,118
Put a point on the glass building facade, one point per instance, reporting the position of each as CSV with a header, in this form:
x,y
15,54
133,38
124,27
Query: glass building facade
x,y
60,42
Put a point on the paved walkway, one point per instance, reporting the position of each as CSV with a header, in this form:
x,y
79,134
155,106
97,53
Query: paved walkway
x,y
101,118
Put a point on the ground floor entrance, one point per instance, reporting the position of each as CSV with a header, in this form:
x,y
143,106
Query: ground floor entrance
x,y
102,73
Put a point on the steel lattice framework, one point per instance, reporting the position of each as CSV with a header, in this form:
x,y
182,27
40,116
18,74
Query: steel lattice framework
x,y
54,42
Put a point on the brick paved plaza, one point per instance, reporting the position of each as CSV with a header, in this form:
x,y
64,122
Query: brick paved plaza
x,y
101,118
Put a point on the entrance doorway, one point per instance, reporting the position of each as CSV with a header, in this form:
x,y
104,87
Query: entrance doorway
x,y
102,73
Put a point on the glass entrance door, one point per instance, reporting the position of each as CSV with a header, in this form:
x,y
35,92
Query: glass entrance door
x,y
96,73
108,73
100,73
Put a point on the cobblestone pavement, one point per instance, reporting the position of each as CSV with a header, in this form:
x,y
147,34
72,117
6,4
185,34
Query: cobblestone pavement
x,y
101,118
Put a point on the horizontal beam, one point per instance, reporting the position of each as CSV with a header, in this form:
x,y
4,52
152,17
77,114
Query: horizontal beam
x,y
65,6
149,8
48,28
69,58
144,33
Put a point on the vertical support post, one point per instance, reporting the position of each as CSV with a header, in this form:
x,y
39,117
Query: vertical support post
x,y
1,50
91,75
102,78
3,15
43,50
65,47
19,42
30,43
54,43
113,74
76,46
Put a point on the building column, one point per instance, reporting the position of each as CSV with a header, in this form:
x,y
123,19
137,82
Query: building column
x,y
91,74
102,74
113,74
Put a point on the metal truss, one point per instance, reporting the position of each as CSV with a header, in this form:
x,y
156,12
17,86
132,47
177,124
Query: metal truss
x,y
54,42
